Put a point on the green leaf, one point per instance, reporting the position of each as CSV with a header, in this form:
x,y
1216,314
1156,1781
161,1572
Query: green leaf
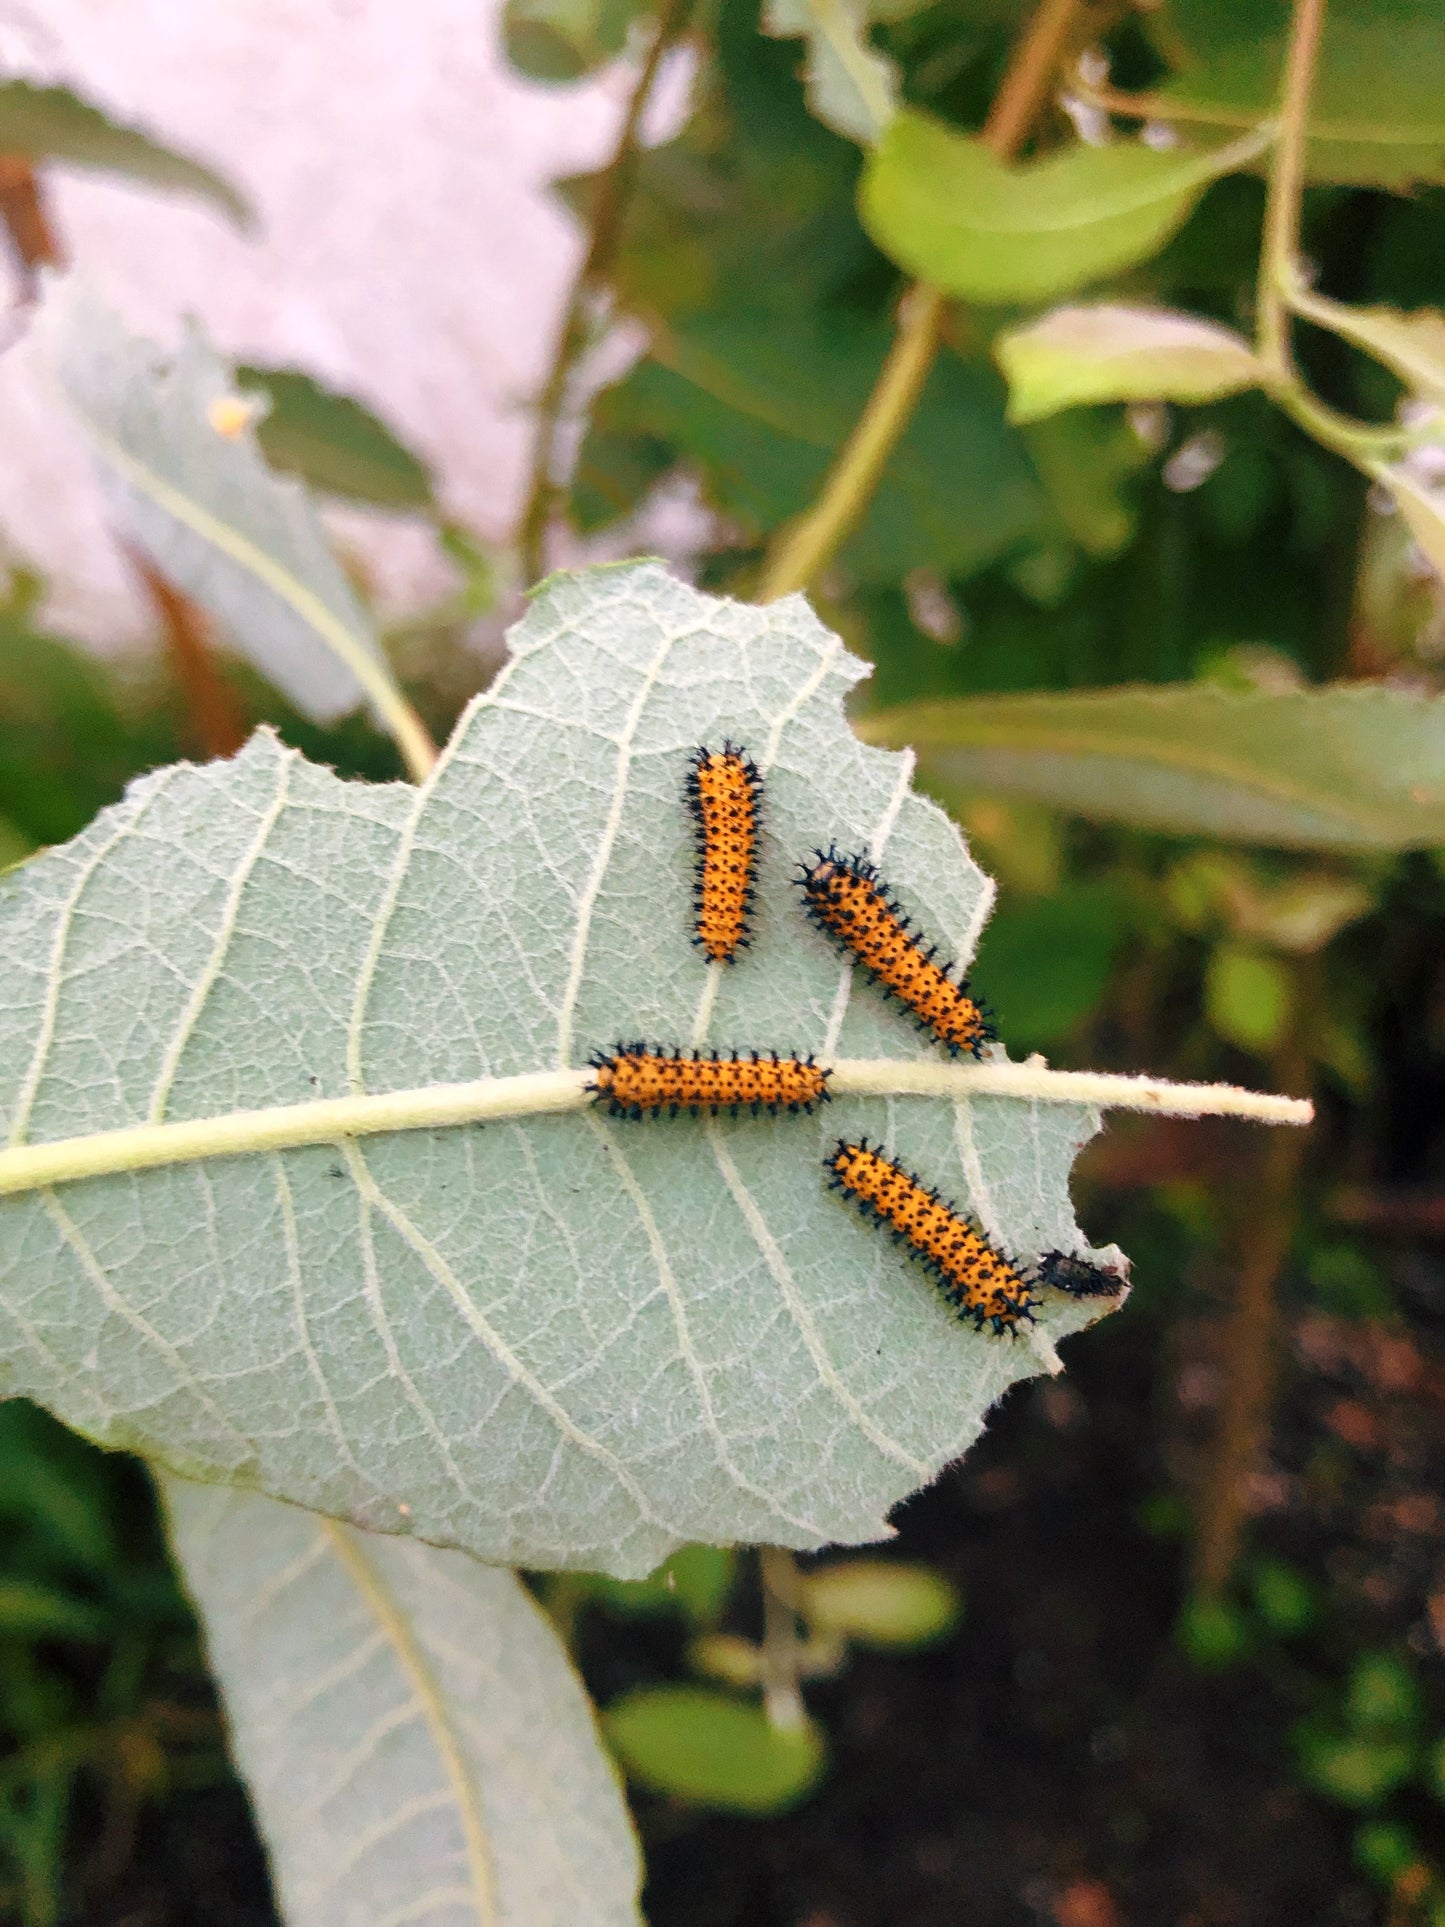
x,y
53,124
1377,102
1423,511
1044,962
880,1602
760,404
1248,998
415,1741
695,1581
553,1339
1350,768
713,1751
1085,459
1110,352
31,1610
1358,1772
1411,345
333,443
1383,1695
944,207
564,39
851,87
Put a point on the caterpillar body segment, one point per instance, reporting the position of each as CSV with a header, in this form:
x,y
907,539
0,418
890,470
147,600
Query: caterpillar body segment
x,y
640,1082
978,1281
846,897
724,795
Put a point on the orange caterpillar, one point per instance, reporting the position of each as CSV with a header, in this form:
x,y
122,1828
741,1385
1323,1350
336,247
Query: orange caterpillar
x,y
724,791
638,1082
978,1281
845,897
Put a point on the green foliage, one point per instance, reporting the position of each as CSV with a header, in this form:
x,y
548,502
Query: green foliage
x,y
1075,356
711,1751
54,124
878,1602
1376,118
946,209
1249,998
333,443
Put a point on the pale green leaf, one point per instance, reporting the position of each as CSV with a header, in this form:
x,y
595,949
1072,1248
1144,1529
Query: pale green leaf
x,y
1355,767
945,207
711,1750
189,485
1411,345
851,87
1110,352
555,1340
880,1602
415,1741
1423,510
53,124
562,40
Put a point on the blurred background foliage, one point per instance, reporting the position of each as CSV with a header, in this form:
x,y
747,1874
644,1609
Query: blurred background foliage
x,y
1198,1674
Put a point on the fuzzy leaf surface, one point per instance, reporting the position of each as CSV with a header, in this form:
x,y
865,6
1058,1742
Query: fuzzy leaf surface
x,y
562,1340
416,1743
190,486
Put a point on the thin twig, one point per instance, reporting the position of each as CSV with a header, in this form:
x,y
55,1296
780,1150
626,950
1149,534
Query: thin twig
x,y
781,1656
211,705
802,548
26,220
1279,255
609,203
1264,1234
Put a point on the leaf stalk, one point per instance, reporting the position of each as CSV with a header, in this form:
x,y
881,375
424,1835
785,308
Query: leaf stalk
x,y
285,1127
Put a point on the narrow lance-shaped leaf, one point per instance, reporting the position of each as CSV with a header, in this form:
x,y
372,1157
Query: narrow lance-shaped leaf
x,y
190,486
945,207
415,1741
1348,768
1110,352
556,1340
53,124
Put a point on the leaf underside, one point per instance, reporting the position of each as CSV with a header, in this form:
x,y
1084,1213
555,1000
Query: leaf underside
x,y
556,1342
415,1742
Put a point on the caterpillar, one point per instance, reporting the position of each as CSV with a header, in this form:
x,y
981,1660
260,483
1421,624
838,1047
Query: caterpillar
x,y
845,897
979,1282
724,792
638,1082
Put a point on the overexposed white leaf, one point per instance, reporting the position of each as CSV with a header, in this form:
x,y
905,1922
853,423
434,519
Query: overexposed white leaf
x,y
557,1340
416,1743
851,86
189,486
1114,352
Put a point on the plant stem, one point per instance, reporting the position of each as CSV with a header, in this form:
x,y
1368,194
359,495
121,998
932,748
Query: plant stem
x,y
27,221
1279,255
781,1655
1264,1233
604,236
329,1120
211,705
802,548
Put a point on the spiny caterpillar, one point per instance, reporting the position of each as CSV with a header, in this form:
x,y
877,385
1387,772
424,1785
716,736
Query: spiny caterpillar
x,y
979,1282
845,897
638,1082
724,791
